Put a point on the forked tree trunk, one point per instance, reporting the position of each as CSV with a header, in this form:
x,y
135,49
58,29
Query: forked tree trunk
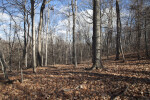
x,y
39,58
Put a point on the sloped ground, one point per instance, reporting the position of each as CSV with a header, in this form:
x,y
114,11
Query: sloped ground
x,y
125,81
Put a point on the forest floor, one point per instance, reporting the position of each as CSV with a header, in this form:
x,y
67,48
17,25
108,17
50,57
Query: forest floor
x,y
123,81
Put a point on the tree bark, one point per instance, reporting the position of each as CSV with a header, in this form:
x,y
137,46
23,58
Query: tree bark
x,y
10,48
118,30
4,65
146,41
69,30
33,36
43,48
74,11
96,45
53,51
26,58
46,47
39,53
66,52
25,37
110,28
139,4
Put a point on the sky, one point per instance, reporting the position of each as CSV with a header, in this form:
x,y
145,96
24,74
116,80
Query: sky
x,y
58,20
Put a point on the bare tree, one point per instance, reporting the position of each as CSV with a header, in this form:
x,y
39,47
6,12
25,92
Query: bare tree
x,y
39,56
46,46
74,11
118,30
145,33
33,36
3,64
139,3
96,46
110,27
25,36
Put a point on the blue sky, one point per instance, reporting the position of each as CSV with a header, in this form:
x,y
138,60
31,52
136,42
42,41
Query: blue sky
x,y
56,16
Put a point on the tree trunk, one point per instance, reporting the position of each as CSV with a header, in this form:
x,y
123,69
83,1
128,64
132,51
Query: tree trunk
x,y
146,45
107,43
96,45
53,53
81,55
10,48
121,49
70,51
25,37
138,28
46,47
74,11
138,39
26,61
33,37
3,64
66,52
110,28
42,48
39,34
118,30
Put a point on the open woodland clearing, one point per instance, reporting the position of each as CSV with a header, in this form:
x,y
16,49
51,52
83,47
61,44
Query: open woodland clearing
x,y
126,81
75,49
